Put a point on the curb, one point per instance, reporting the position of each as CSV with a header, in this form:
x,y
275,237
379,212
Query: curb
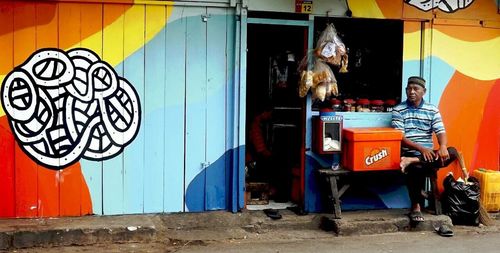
x,y
183,228
69,237
381,225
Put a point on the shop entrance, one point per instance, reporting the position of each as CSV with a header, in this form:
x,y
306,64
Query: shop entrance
x,y
275,113
375,73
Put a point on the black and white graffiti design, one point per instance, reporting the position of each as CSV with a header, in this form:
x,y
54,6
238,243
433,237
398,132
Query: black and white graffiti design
x,y
444,5
65,105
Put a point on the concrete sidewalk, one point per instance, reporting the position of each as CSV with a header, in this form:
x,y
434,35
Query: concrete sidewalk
x,y
180,228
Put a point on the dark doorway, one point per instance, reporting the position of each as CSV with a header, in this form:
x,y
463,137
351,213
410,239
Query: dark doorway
x,y
275,112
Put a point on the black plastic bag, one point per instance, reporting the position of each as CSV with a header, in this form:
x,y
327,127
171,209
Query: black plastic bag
x,y
461,201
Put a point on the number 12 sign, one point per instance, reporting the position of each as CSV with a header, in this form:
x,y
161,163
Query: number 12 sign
x,y
302,6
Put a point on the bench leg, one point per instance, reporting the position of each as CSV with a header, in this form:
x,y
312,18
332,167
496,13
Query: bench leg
x,y
435,195
335,197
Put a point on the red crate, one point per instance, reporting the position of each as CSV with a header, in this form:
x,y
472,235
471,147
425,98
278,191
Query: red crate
x,y
367,149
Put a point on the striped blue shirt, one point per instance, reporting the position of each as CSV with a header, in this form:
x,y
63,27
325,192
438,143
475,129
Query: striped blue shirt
x,y
417,123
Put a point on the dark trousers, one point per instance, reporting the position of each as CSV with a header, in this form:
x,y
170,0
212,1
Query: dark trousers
x,y
417,172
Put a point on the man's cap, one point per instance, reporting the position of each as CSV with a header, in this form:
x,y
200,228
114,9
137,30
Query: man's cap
x,y
416,80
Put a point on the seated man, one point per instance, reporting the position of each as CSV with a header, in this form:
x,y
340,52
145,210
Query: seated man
x,y
418,120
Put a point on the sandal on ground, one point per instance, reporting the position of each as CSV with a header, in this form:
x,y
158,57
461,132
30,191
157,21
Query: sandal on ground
x,y
444,230
272,213
416,216
297,210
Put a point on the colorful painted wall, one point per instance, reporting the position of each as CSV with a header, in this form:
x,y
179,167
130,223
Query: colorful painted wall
x,y
116,107
122,106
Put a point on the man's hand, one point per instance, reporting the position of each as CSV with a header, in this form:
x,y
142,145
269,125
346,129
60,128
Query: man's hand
x,y
428,154
442,153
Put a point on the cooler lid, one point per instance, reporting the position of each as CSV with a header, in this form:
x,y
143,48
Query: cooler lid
x,y
372,134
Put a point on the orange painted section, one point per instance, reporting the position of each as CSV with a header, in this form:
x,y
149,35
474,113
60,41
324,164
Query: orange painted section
x,y
85,198
46,36
7,6
26,182
410,27
7,172
469,33
411,12
31,190
46,26
48,192
71,188
391,9
26,170
488,141
48,14
69,24
89,14
6,40
463,117
24,39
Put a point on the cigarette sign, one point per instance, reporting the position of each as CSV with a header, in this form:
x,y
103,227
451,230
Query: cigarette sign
x,y
302,6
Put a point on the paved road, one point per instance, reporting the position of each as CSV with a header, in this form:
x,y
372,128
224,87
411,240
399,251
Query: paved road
x,y
407,242
398,242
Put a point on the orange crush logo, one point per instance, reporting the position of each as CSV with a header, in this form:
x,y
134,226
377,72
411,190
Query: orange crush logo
x,y
375,156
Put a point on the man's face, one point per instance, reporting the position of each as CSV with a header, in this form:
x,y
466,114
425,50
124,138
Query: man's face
x,y
415,92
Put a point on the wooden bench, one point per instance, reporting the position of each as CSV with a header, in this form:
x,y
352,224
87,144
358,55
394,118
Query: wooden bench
x,y
332,177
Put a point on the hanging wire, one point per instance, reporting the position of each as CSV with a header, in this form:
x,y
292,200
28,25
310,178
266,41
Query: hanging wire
x,y
348,12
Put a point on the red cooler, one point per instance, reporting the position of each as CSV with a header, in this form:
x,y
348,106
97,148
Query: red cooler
x,y
367,149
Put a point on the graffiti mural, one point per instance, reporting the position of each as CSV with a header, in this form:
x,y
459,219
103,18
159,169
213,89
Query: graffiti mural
x,y
63,106
444,5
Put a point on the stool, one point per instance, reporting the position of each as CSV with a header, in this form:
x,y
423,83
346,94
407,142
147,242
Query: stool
x,y
331,177
257,193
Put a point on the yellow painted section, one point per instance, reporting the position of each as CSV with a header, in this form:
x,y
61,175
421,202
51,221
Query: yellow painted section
x,y
133,32
479,60
135,14
427,41
156,25
411,46
365,9
155,17
112,45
